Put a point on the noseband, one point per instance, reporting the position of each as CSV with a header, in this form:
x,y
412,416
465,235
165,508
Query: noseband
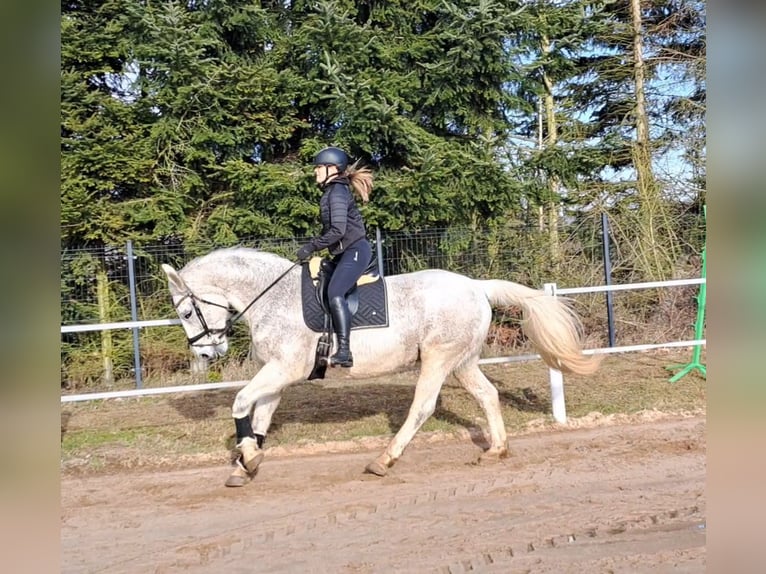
x,y
233,318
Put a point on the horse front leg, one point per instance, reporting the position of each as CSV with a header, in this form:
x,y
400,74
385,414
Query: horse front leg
x,y
260,396
261,416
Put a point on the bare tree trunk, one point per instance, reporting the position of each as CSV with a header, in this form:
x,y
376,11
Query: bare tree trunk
x,y
107,346
540,209
198,368
554,183
652,256
642,121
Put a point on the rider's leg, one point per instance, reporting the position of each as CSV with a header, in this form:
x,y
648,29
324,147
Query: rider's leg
x,y
341,321
349,267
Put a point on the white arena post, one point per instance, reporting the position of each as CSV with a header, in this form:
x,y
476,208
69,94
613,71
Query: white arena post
x,y
556,379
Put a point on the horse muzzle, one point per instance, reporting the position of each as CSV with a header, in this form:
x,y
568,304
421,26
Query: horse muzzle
x,y
210,352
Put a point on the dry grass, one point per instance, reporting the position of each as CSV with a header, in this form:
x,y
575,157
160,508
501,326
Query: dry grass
x,y
196,428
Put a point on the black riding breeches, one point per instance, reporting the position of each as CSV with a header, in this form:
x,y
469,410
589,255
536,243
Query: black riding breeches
x,y
349,267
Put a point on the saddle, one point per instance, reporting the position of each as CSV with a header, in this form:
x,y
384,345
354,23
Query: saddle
x,y
367,304
321,270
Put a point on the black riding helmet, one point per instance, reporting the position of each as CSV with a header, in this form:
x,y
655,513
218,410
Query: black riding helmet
x,y
332,156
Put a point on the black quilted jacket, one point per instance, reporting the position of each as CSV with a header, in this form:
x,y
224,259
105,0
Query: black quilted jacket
x,y
342,223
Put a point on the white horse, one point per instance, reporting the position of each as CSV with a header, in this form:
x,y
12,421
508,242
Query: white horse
x,y
436,317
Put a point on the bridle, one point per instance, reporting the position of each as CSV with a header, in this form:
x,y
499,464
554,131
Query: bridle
x,y
225,330
233,317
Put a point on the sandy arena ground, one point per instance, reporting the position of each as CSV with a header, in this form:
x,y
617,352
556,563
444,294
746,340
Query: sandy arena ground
x,y
607,497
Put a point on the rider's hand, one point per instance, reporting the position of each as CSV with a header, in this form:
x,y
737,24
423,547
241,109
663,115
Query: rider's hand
x,y
304,252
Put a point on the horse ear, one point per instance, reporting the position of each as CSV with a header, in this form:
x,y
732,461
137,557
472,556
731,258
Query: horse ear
x,y
176,284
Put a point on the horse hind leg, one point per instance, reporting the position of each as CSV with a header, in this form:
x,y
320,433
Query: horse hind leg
x,y
485,393
432,376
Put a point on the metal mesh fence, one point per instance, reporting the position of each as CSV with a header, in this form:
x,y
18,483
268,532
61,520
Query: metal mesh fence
x,y
97,283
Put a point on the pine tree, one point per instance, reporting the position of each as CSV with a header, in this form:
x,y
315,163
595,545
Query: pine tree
x,y
200,119
559,159
632,115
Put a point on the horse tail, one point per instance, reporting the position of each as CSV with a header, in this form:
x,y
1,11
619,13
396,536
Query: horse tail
x,y
549,322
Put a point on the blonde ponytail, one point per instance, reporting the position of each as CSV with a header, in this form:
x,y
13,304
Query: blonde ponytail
x,y
361,180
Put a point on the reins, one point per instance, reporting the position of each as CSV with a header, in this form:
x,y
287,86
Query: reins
x,y
232,319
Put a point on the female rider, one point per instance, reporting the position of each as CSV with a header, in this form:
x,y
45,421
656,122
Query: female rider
x,y
343,235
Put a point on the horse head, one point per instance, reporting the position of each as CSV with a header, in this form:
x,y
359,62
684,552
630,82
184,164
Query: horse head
x,y
205,316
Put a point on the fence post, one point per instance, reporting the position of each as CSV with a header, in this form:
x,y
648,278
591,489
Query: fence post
x,y
556,379
379,249
134,314
608,277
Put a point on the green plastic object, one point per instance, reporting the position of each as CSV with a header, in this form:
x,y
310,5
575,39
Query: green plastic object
x,y
699,327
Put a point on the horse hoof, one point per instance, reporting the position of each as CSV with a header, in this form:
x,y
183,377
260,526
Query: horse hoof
x,y
376,468
239,477
493,455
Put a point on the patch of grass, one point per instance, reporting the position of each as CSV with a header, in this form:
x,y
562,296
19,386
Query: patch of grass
x,y
77,441
140,431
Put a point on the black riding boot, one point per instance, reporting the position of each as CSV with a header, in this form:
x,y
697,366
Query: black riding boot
x,y
341,320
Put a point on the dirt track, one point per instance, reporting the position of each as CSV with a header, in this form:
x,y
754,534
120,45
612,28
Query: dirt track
x,y
613,498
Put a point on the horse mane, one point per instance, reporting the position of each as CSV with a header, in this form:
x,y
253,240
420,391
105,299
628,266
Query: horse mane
x,y
240,252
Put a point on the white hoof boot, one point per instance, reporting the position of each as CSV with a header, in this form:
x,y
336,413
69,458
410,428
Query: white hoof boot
x,y
250,456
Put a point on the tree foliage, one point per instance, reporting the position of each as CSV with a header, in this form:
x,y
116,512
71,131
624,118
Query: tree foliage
x,y
198,119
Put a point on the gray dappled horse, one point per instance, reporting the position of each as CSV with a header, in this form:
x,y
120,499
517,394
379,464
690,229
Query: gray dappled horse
x,y
436,317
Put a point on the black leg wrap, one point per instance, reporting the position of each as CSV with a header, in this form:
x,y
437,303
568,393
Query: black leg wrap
x,y
260,438
244,428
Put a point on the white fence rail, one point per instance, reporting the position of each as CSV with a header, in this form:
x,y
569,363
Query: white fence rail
x,y
119,325
556,378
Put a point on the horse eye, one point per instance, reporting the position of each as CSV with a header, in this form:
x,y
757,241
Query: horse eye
x,y
187,315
